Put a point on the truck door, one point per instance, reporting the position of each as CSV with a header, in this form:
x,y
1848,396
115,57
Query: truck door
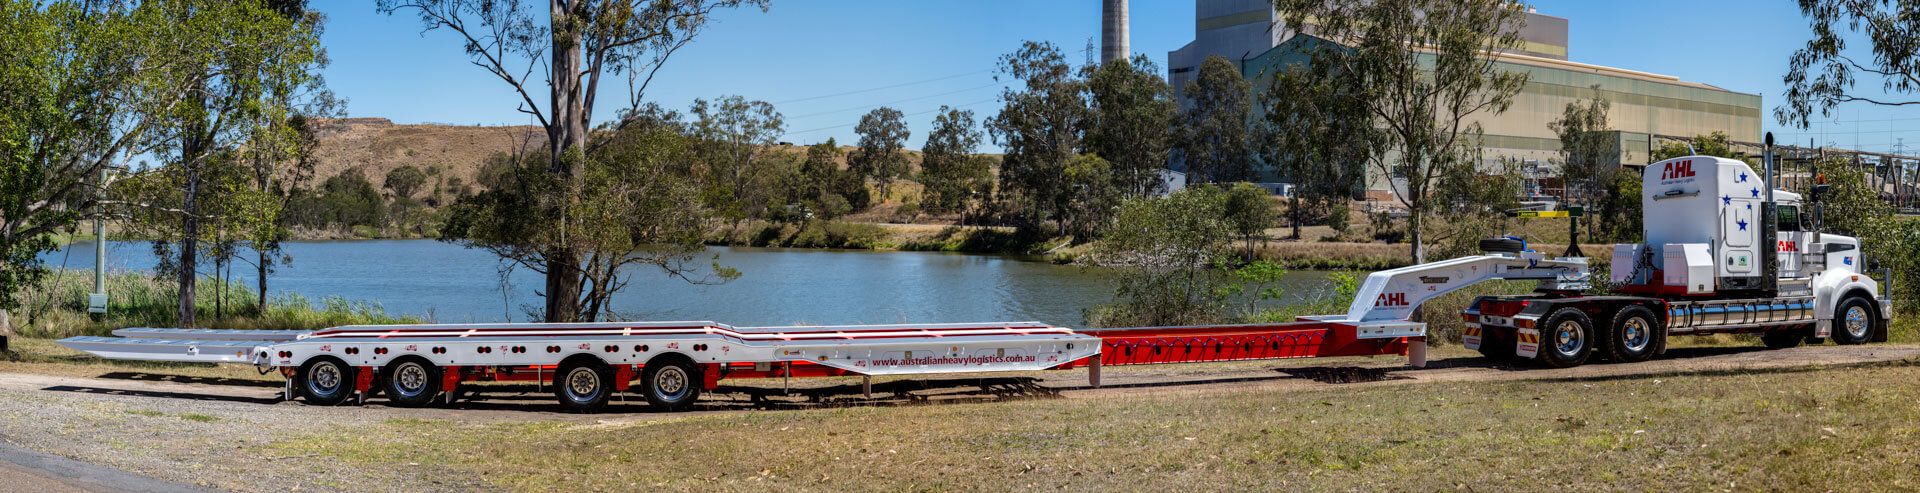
x,y
1792,241
1738,231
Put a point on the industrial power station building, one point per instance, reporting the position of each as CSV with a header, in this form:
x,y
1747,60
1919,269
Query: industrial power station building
x,y
1644,105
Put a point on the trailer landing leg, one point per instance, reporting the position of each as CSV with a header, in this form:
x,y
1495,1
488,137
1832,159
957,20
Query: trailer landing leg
x,y
1093,371
1417,353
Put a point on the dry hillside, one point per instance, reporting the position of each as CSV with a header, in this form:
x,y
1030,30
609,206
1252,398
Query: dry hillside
x,y
377,145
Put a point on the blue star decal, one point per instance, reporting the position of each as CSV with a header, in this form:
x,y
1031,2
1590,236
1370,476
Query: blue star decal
x,y
1743,177
1742,223
1726,199
1749,206
1756,193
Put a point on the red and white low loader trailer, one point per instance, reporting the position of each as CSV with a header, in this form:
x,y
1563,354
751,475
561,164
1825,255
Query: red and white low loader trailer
x,y
673,362
1696,216
1724,253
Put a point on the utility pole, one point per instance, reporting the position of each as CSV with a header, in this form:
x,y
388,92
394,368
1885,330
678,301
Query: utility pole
x,y
97,300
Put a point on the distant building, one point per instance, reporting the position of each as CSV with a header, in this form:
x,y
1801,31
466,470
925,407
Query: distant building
x,y
1644,105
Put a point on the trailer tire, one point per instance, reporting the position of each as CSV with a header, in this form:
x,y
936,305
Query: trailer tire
x,y
1502,245
410,381
325,381
583,384
1567,339
1634,335
671,382
1854,322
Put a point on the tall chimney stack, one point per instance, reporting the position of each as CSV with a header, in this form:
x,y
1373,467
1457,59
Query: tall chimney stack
x,y
1113,31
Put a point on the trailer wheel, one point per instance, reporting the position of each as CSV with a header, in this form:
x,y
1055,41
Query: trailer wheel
x,y
671,383
1854,322
1634,332
325,381
1783,339
583,384
1567,339
411,382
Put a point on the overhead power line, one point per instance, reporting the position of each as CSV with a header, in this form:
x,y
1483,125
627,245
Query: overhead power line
x,y
882,88
894,102
917,113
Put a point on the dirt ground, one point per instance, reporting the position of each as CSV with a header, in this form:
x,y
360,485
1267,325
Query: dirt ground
x,y
231,433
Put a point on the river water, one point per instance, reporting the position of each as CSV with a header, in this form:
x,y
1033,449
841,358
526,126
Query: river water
x,y
447,283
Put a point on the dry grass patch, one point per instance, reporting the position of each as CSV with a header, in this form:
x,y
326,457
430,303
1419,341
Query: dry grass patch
x,y
1807,429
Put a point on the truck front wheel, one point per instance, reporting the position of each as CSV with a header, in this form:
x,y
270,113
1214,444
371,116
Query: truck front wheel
x,y
1567,339
1635,331
1854,322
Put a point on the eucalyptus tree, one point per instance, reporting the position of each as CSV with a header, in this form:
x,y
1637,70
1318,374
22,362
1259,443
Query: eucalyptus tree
x,y
1131,123
1823,74
1040,126
732,136
1215,142
956,176
881,153
571,46
83,90
1427,71
1316,134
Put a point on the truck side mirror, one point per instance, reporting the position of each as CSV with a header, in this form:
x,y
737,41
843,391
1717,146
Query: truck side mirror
x,y
1818,191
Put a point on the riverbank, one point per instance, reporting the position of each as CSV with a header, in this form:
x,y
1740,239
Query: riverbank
x,y
57,308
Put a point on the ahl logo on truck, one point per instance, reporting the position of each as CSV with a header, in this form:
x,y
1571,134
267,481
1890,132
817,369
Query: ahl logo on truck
x,y
1391,299
1677,169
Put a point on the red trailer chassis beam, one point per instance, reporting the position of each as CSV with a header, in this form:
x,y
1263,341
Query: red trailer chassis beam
x,y
1195,344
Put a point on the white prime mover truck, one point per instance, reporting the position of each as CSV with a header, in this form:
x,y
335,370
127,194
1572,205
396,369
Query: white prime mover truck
x,y
1723,253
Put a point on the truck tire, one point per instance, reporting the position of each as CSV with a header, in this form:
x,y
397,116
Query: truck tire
x,y
1567,339
1854,322
325,381
1634,335
670,382
1785,338
410,381
1501,245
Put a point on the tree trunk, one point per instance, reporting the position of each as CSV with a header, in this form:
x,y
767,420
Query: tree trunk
x,y
261,270
1296,215
563,285
1414,237
6,330
189,236
566,132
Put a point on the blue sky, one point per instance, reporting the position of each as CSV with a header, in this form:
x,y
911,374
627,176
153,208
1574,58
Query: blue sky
x,y
825,62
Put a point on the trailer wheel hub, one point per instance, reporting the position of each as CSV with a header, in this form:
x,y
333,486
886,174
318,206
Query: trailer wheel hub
x,y
1635,334
1568,338
583,383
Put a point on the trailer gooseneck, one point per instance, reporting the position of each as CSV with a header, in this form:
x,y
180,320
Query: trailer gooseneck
x,y
1699,272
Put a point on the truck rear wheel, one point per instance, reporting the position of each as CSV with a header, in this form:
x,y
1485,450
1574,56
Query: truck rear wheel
x,y
411,382
583,384
325,381
1567,339
1854,321
671,383
1635,331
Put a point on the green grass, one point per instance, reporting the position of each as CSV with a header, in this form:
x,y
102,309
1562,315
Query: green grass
x,y
57,308
1805,429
